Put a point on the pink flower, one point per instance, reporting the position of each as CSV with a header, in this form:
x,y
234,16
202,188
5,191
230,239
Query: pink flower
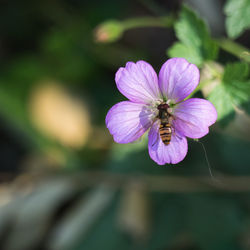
x,y
129,120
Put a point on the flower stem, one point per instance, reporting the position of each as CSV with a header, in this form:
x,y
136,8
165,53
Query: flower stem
x,y
165,21
165,183
234,48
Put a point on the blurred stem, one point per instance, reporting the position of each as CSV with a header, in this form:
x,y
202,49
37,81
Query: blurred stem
x,y
166,21
234,48
167,183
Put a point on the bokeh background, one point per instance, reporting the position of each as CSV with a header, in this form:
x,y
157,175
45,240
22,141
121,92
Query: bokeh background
x,y
64,183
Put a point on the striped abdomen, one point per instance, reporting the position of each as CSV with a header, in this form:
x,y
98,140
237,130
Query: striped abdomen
x,y
165,133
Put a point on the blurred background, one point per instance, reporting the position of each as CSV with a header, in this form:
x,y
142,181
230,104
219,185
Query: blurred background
x,y
64,183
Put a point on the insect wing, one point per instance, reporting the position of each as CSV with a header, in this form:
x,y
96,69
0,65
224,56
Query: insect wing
x,y
156,138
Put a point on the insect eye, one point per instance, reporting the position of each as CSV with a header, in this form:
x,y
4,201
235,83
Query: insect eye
x,y
163,106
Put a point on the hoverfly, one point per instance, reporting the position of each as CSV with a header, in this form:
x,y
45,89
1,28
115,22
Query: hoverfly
x,y
165,129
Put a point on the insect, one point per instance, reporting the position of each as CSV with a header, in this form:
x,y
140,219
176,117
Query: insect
x,y
166,118
166,130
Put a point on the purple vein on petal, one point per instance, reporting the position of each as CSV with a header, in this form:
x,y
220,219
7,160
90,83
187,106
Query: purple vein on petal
x,y
178,79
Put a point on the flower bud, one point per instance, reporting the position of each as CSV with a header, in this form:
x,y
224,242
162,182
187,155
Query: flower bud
x,y
109,31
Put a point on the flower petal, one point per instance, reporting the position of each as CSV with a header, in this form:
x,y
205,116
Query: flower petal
x,y
194,116
178,78
128,121
161,153
138,82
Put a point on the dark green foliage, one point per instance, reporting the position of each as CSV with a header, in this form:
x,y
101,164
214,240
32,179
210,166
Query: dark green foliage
x,y
233,91
237,20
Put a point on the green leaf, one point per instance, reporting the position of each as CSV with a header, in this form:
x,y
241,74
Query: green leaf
x,y
195,39
246,107
234,79
181,50
233,91
237,20
235,72
222,101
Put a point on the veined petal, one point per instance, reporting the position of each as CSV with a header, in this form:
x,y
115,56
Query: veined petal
x,y
161,153
138,82
128,121
194,116
178,78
